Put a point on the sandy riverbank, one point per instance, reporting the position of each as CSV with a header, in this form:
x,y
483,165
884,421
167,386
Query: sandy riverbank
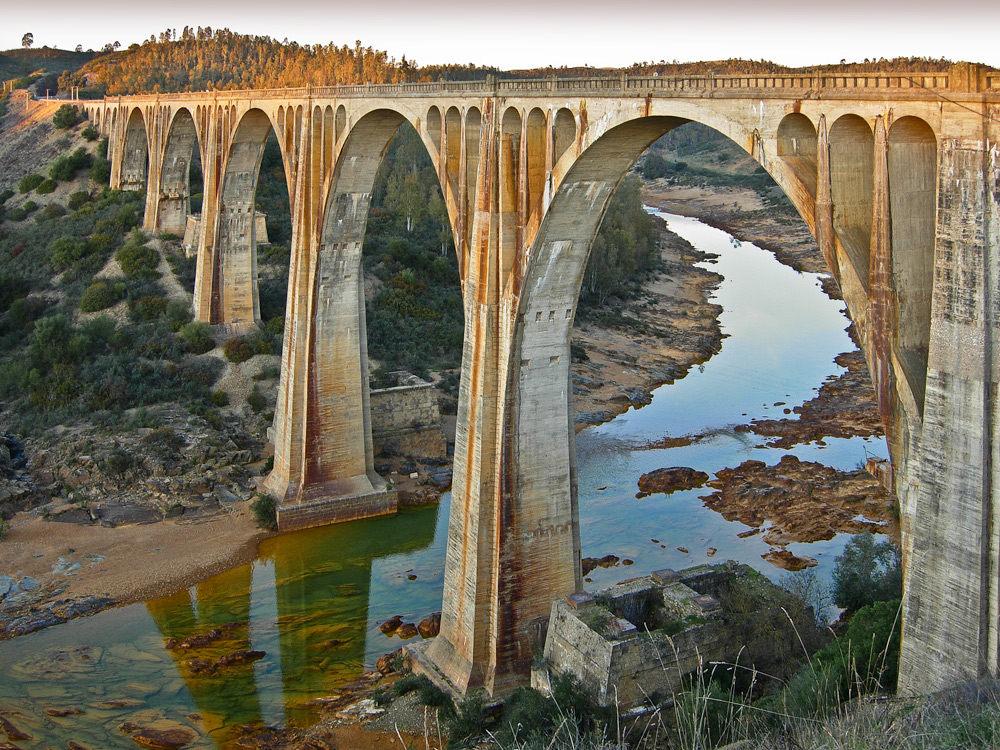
x,y
128,563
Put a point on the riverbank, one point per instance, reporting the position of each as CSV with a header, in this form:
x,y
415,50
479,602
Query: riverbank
x,y
621,354
72,569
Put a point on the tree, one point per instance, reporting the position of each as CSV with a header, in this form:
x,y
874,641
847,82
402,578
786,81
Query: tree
x,y
27,40
866,572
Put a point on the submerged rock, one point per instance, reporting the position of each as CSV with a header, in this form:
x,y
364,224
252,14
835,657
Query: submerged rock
x,y
391,625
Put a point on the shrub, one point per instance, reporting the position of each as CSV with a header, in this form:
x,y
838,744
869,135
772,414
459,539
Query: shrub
x,y
6,195
46,187
4,528
178,314
118,463
196,336
256,400
265,512
137,259
29,183
866,572
219,398
65,167
90,133
18,214
66,251
66,117
238,349
99,243
30,206
78,200
51,211
101,295
100,172
149,308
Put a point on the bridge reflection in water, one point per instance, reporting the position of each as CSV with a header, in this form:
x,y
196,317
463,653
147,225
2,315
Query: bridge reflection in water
x,y
312,604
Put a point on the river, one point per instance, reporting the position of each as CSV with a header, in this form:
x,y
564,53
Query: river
x,y
312,601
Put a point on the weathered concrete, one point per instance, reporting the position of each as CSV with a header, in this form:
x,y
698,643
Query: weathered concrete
x,y
896,174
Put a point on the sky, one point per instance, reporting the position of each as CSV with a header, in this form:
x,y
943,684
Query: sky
x,y
514,34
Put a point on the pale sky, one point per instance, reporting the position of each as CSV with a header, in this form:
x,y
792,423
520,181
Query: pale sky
x,y
534,33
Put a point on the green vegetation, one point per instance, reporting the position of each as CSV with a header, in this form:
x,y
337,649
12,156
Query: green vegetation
x,y
29,183
66,116
867,571
65,168
264,511
196,59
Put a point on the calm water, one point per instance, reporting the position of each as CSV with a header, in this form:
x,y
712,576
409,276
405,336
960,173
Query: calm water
x,y
313,599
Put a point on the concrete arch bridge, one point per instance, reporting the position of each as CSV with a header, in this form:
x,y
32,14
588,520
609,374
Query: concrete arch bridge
x,y
896,175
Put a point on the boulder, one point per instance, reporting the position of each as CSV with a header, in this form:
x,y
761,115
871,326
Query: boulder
x,y
670,480
391,625
407,630
430,626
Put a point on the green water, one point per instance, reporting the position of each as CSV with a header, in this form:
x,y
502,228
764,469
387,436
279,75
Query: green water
x,y
312,602
313,599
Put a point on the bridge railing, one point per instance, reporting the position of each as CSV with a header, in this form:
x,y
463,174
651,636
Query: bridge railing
x,y
620,85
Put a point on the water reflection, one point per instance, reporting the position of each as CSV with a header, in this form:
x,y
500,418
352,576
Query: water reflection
x,y
313,600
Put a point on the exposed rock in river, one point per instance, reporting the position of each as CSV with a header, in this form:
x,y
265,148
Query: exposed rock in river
x,y
802,501
844,407
670,480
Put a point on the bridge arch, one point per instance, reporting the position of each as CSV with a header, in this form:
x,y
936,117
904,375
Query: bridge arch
x,y
226,288
852,164
912,173
183,144
135,155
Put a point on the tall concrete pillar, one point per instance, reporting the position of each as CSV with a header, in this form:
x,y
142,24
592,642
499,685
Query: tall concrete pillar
x,y
513,533
207,271
324,465
949,498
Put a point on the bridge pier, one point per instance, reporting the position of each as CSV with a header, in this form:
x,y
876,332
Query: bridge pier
x,y
323,458
949,494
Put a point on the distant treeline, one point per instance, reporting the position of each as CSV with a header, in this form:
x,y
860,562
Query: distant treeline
x,y
196,59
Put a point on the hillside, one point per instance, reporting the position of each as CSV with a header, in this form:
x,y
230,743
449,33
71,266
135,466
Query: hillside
x,y
15,63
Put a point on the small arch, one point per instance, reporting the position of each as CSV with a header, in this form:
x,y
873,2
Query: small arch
x,y
797,148
913,201
453,143
852,157
329,139
473,134
534,131
135,160
341,122
180,151
434,126
563,133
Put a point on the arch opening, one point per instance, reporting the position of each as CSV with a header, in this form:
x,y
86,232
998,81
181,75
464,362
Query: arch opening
x,y
563,133
852,163
383,245
180,154
231,263
135,163
912,161
797,149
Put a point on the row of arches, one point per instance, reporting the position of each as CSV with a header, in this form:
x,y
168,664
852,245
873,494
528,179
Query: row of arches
x,y
901,163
